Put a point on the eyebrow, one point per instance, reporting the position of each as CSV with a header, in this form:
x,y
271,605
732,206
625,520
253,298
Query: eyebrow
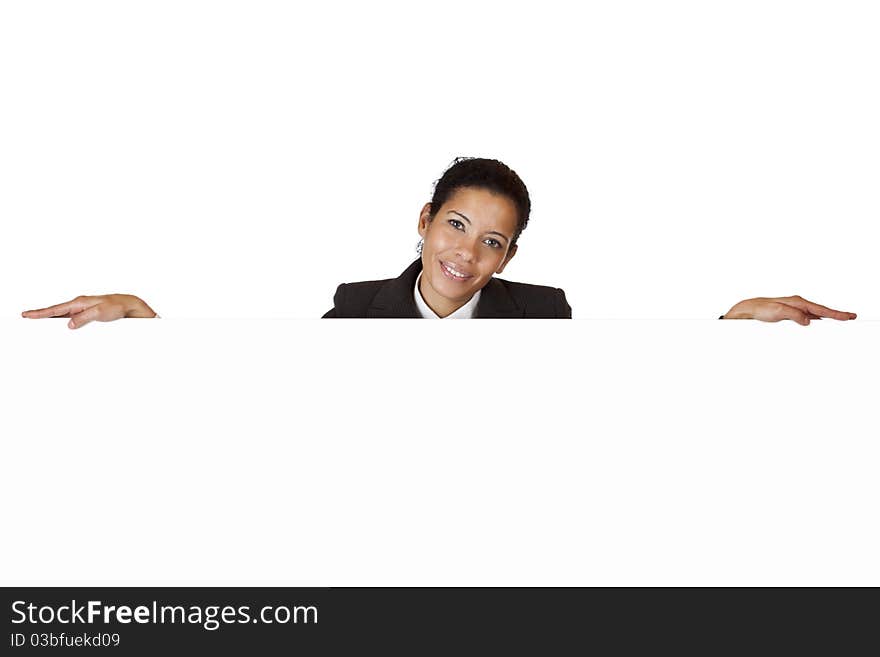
x,y
491,232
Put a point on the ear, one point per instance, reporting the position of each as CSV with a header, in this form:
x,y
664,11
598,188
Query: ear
x,y
507,258
424,219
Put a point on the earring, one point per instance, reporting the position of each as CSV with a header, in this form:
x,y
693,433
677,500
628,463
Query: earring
x,y
420,246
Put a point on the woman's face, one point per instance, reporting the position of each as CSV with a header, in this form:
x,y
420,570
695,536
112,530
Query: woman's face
x,y
466,242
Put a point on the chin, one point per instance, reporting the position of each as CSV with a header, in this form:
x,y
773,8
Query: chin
x,y
458,293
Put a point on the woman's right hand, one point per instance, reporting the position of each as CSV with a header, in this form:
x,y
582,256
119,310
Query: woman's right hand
x,y
104,308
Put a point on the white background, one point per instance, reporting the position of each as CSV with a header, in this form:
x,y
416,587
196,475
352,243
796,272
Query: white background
x,y
238,160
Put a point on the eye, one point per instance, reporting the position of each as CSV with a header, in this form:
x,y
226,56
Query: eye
x,y
495,244
456,224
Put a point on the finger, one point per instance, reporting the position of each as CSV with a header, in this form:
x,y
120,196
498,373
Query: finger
x,y
58,310
816,309
90,314
779,311
32,314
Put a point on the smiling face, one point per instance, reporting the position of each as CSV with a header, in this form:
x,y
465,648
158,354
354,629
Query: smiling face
x,y
466,242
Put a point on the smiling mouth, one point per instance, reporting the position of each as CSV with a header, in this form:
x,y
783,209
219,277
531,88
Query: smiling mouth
x,y
450,272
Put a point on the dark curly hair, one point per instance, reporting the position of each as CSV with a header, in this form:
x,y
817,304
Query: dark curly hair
x,y
483,173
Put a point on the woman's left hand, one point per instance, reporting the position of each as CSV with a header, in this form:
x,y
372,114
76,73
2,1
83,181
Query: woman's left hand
x,y
775,309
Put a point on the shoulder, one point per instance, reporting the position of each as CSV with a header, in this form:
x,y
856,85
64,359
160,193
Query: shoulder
x,y
537,301
528,290
363,288
353,299
388,297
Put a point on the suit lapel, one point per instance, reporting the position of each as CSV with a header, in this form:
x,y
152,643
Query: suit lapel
x,y
395,298
496,303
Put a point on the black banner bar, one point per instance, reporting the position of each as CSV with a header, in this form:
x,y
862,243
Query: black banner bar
x,y
413,621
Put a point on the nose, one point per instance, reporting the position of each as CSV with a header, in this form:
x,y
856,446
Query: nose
x,y
465,249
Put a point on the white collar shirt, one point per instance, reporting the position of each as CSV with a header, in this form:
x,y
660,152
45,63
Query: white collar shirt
x,y
465,312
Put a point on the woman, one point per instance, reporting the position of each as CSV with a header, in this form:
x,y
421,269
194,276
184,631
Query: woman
x,y
469,233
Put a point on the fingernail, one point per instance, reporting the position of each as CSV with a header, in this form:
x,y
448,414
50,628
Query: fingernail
x,y
70,324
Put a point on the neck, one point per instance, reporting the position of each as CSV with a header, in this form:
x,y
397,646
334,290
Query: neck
x,y
442,306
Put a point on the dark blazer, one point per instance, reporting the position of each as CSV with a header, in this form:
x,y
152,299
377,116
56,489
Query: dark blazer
x,y
393,297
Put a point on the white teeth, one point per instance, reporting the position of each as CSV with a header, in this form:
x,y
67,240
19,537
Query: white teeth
x,y
454,272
